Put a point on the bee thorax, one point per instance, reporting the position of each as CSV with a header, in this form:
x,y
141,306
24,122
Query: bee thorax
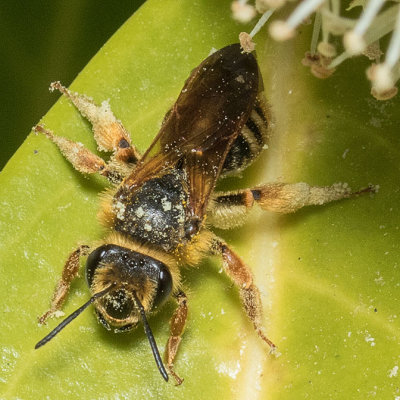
x,y
157,213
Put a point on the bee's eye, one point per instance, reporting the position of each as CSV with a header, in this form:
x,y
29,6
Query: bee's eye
x,y
164,287
97,257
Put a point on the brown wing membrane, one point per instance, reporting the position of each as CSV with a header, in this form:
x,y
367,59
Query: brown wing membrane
x,y
210,111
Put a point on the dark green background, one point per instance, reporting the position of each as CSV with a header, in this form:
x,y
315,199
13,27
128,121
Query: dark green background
x,y
43,41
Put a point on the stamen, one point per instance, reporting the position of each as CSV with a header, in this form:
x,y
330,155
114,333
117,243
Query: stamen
x,y
335,23
338,60
264,5
335,6
353,40
383,80
382,25
261,22
246,38
316,31
359,36
393,52
281,30
325,48
242,11
384,76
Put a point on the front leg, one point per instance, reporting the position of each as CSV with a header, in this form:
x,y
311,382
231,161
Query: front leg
x,y
69,273
177,326
241,275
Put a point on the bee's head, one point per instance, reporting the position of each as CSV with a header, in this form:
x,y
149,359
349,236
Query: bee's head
x,y
135,276
126,285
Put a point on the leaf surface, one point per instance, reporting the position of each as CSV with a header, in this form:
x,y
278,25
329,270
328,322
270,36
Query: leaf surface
x,y
328,276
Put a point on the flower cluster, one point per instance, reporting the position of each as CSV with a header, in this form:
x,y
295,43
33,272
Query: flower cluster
x,y
377,19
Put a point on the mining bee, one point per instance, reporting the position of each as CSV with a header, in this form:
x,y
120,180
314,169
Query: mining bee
x,y
156,210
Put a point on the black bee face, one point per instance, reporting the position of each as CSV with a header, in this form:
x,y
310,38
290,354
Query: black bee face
x,y
134,276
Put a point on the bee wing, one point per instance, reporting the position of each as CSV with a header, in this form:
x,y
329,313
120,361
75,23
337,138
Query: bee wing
x,y
198,131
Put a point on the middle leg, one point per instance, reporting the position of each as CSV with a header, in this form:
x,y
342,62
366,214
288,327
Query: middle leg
x,y
241,275
177,326
109,133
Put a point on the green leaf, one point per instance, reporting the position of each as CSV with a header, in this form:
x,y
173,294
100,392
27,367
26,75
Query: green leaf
x,y
328,275
336,288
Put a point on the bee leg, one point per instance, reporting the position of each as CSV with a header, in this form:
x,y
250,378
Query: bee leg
x,y
288,198
109,133
230,209
69,272
241,275
177,326
81,158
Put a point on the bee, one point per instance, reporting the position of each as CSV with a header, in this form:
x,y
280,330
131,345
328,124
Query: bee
x,y
162,204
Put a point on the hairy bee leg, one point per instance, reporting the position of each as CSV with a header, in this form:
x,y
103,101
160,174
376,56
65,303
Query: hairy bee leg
x,y
230,209
80,157
288,198
177,326
109,133
241,275
69,273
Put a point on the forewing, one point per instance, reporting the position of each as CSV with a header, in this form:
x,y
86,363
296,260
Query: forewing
x,y
198,131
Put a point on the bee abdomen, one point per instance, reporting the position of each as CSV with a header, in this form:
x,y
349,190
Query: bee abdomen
x,y
250,142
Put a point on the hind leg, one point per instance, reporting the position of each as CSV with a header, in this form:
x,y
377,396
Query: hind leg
x,y
230,209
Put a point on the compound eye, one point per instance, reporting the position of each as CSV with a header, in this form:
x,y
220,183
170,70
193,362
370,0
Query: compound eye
x,y
164,287
102,253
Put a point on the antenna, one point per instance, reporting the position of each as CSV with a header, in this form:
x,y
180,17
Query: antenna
x,y
72,316
150,336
